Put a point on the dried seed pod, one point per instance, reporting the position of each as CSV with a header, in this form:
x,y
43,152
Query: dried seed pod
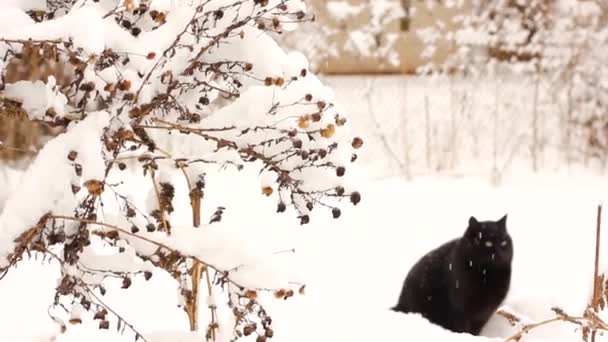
x,y
94,187
249,329
72,155
355,198
124,85
126,282
279,293
328,131
101,314
335,212
267,190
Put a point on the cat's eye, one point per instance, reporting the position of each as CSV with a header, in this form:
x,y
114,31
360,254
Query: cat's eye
x,y
489,244
504,243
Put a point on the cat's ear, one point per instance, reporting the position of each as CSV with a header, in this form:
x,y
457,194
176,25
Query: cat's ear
x,y
473,222
502,223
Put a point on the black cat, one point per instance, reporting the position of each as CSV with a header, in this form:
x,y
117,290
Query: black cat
x,y
461,284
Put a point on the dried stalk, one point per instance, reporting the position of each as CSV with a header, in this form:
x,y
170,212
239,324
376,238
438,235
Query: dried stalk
x,y
597,280
160,206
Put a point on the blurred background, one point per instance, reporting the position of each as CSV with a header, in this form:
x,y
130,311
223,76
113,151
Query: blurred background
x,y
466,86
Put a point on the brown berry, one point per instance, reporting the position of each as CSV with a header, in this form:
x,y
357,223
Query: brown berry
x,y
151,55
340,171
308,97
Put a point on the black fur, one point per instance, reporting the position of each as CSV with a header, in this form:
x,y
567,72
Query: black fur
x,y
460,284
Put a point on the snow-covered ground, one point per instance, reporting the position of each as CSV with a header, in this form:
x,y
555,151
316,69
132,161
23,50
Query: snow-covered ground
x,y
354,266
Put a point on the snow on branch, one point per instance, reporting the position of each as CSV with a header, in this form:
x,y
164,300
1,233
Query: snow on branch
x,y
154,96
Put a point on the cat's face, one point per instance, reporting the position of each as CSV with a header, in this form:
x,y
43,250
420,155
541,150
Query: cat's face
x,y
489,241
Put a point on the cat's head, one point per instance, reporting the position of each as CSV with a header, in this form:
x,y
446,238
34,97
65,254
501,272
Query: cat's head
x,y
488,241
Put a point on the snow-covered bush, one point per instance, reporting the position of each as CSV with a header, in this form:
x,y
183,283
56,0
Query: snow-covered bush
x,y
158,98
556,48
358,28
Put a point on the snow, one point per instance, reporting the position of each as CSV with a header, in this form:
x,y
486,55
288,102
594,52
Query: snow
x,y
46,185
341,10
37,107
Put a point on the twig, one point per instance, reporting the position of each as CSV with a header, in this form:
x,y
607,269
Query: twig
x,y
161,210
